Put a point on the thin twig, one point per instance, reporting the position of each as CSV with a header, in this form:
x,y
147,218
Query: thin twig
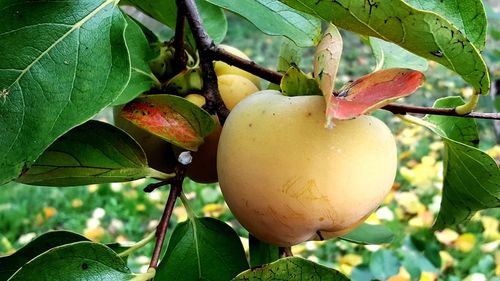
x,y
403,109
180,57
161,229
214,103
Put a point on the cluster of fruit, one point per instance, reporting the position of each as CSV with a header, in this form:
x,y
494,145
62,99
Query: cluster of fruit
x,y
286,177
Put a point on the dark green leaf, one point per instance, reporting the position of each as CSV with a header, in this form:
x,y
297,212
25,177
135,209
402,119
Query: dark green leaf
x,y
468,16
76,261
261,252
274,18
171,118
471,177
95,152
44,242
369,234
213,17
62,62
202,249
292,269
297,83
420,32
384,264
390,55
142,78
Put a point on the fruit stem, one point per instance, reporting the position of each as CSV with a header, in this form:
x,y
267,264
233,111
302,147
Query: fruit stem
x,y
469,106
416,121
149,275
138,245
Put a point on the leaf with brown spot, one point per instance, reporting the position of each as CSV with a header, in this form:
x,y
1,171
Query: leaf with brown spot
x,y
172,118
372,92
326,60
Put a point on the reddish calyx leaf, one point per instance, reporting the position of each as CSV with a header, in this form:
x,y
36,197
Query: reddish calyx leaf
x,y
172,118
372,92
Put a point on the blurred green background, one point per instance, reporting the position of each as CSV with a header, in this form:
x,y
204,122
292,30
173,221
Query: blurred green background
x,y
124,213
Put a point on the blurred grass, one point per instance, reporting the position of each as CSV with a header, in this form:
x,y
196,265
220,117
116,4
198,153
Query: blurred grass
x,y
122,212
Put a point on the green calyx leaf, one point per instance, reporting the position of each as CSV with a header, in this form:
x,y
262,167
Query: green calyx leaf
x,y
369,234
297,83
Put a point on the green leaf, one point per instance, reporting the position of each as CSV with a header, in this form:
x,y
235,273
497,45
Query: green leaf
x,y
44,242
274,18
213,17
261,252
471,177
202,249
76,261
289,55
297,83
468,16
62,62
420,32
142,78
171,118
383,264
390,55
292,269
95,152
369,234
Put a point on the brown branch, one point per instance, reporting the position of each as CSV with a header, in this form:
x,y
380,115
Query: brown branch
x,y
180,57
161,229
403,109
214,103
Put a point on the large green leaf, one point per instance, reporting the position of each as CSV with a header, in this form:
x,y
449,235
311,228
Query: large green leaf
x,y
390,55
384,264
202,249
423,33
44,242
369,234
468,16
76,261
95,152
292,269
165,11
142,78
471,177
62,62
274,18
297,83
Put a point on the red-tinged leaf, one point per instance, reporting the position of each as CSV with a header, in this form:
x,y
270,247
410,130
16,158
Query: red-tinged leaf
x,y
172,118
326,60
372,92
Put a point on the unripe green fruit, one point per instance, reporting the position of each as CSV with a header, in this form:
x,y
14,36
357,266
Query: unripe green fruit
x,y
287,178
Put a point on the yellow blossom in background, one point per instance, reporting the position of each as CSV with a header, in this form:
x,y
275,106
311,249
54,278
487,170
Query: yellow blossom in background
x,y
121,239
497,262
446,236
410,135
428,276
403,275
94,234
467,92
423,219
93,188
140,207
348,262
180,213
423,174
76,203
7,246
408,203
490,225
494,151
465,242
49,212
447,260
214,210
373,219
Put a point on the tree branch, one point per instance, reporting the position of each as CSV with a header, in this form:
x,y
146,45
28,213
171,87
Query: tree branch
x,y
214,103
161,229
180,57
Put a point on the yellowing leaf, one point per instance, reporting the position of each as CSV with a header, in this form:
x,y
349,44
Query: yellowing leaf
x,y
410,203
213,210
49,212
428,276
94,234
447,260
465,242
491,226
